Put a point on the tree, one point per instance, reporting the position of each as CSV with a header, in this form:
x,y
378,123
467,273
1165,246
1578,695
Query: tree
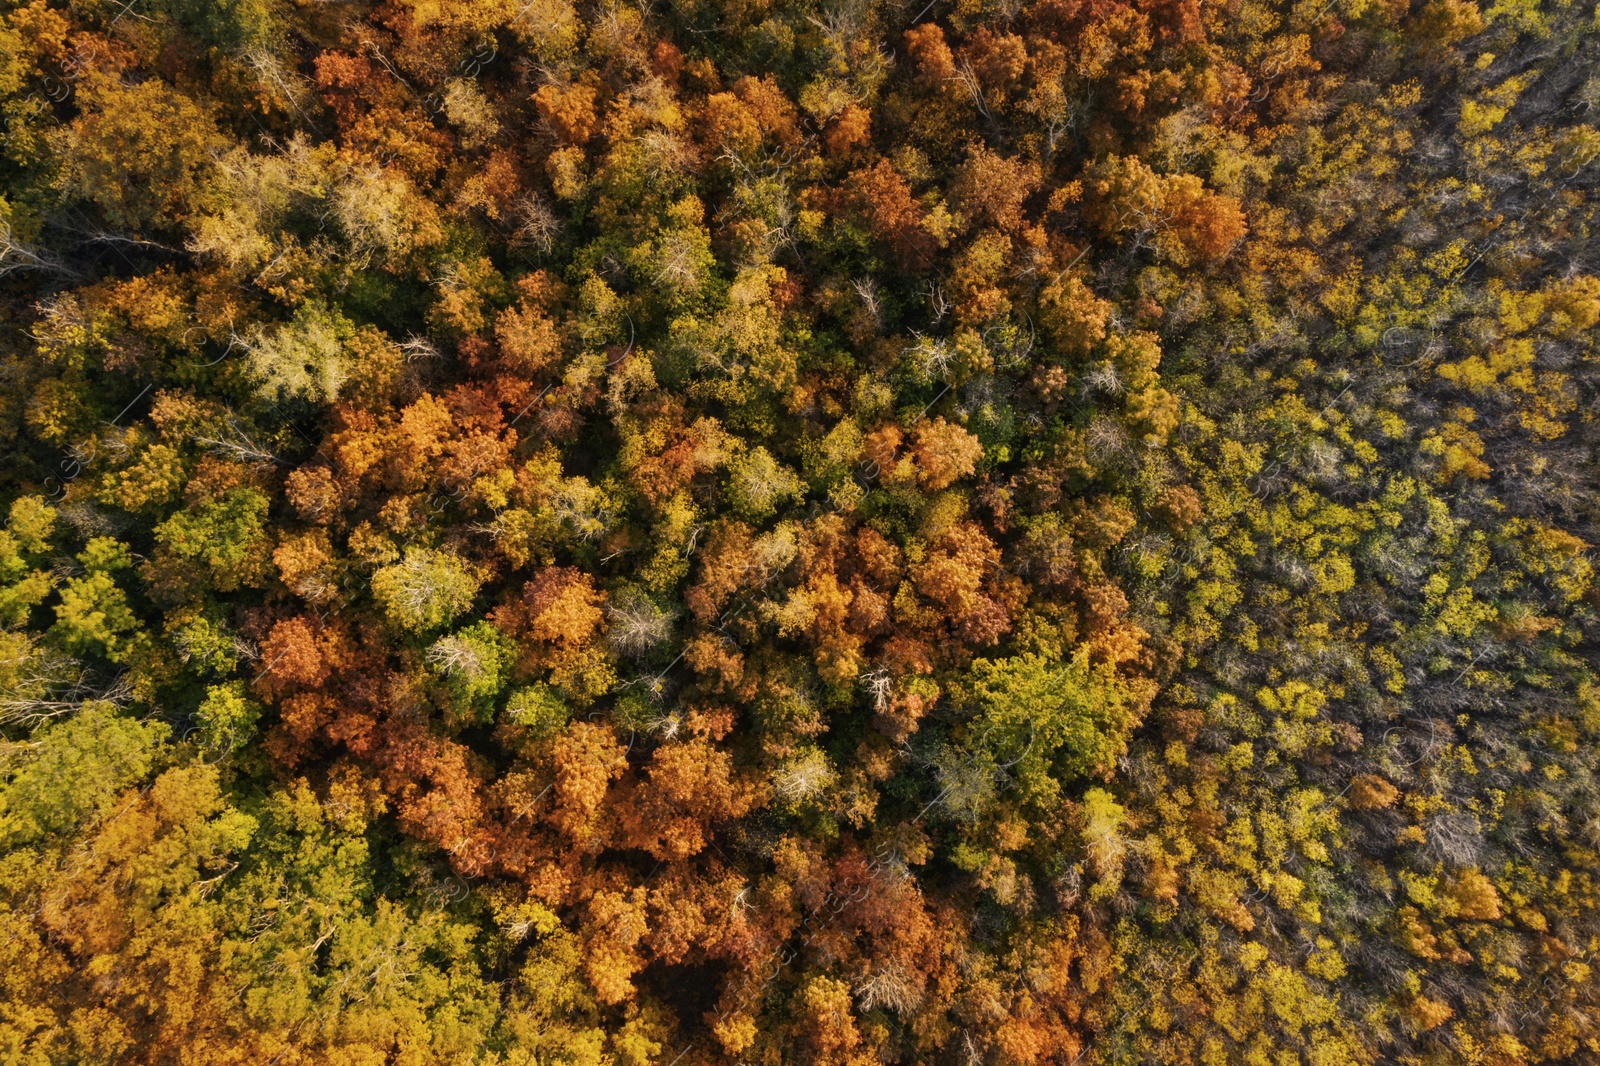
x,y
23,542
75,772
139,152
880,196
304,357
232,25
425,589
990,189
758,484
944,452
474,664
226,534
93,614
1060,720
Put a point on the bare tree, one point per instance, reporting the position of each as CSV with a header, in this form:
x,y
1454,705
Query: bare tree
x,y
51,686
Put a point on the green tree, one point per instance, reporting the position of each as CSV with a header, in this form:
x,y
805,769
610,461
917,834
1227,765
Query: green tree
x,y
1056,721
426,589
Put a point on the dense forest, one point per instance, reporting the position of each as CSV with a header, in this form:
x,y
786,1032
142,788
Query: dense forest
x,y
834,532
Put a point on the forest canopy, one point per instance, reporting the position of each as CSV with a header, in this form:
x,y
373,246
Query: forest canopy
x,y
826,532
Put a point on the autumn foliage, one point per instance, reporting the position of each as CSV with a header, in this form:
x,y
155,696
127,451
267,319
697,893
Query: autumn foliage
x,y
832,532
